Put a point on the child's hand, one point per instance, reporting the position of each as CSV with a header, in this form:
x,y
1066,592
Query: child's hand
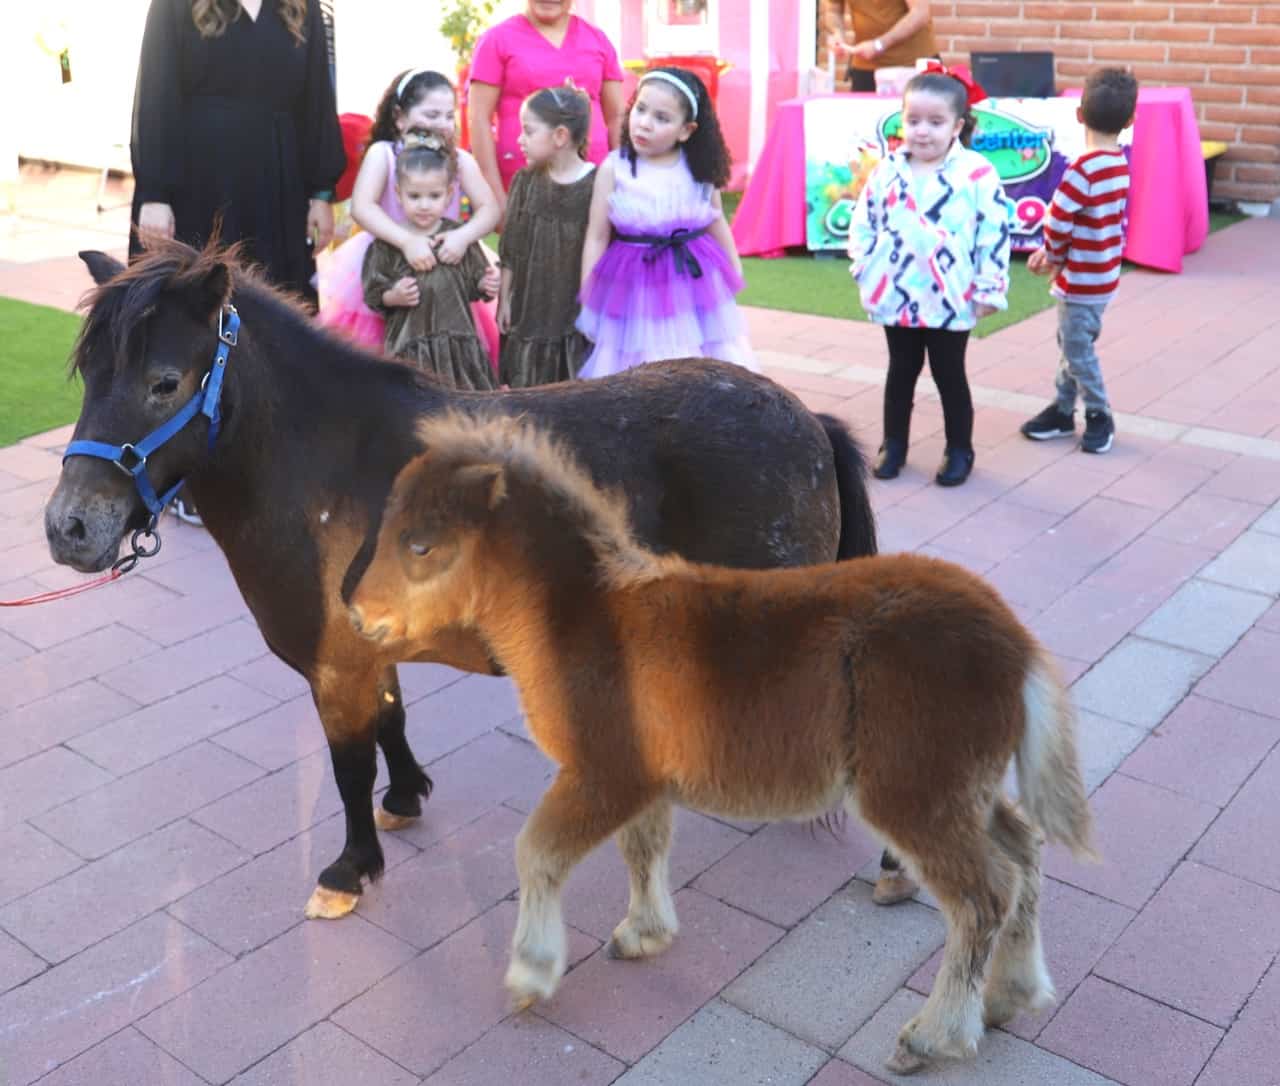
x,y
504,315
449,249
420,254
404,293
1039,263
491,282
983,310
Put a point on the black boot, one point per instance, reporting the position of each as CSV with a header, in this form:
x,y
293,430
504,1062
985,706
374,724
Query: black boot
x,y
955,467
893,454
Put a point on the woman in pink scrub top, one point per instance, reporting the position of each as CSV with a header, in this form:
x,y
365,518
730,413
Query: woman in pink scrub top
x,y
523,54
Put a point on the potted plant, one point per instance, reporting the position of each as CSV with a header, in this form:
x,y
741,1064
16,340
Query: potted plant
x,y
462,23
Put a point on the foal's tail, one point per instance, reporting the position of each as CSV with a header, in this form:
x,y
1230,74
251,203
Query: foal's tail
x,y
1048,766
857,518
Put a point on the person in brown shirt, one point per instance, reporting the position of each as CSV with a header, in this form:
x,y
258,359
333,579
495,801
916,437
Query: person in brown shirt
x,y
879,34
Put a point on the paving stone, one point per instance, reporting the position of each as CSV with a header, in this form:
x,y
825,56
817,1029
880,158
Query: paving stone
x,y
1140,681
1248,479
279,735
276,807
1002,1059
1204,749
1269,522
128,1057
251,905
50,721
444,1000
532,1052
184,665
721,1046
1252,562
251,1008
1025,579
1253,1042
626,1008
1247,675
596,895
1141,832
162,728
326,1054
70,1008
451,883
1130,1038
124,810
787,870
831,973
997,531
1243,841
839,1073
1158,484
103,897
48,627
1205,617
12,649
1059,488
1087,622
272,676
44,673
31,859
43,780
187,616
1201,945
1102,744
1205,520
1077,928
456,714
17,964
417,680
1271,620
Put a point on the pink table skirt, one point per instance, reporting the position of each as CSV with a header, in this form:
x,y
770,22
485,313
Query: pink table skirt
x,y
1168,206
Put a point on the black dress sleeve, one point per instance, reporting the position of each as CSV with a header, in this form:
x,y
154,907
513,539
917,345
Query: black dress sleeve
x,y
157,139
323,157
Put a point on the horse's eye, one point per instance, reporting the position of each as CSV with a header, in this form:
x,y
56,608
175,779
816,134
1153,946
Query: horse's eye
x,y
419,550
166,386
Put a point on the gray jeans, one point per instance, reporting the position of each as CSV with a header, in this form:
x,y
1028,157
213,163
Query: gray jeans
x,y
1079,371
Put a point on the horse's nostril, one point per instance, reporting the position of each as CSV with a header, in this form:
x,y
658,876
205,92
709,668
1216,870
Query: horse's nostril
x,y
75,529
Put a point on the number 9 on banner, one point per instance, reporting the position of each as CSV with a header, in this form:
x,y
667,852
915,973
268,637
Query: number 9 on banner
x,y
1030,214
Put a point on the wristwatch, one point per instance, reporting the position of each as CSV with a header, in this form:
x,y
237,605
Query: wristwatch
x,y
879,46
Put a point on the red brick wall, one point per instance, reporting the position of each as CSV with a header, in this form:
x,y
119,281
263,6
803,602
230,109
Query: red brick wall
x,y
1226,51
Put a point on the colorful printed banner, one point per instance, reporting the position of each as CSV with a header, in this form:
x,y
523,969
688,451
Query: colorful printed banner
x,y
1030,141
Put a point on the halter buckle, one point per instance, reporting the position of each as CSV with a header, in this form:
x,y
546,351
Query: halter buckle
x,y
140,460
229,336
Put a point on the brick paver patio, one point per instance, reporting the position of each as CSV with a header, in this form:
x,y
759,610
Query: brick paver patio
x,y
166,800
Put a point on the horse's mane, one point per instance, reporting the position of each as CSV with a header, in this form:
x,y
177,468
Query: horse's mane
x,y
532,458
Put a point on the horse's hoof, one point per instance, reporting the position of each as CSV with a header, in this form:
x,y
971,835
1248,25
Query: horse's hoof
x,y
629,944
529,982
892,887
904,1061
385,820
328,904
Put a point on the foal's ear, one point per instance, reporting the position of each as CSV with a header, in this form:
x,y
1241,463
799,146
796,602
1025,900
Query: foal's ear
x,y
482,487
211,290
101,266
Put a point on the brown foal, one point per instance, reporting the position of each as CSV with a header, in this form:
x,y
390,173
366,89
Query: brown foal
x,y
900,686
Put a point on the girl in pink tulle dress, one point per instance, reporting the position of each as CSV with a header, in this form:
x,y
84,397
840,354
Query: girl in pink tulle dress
x,y
417,99
663,286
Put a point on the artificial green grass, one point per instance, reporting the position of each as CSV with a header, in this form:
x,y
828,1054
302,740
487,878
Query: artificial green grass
x,y
35,394
804,283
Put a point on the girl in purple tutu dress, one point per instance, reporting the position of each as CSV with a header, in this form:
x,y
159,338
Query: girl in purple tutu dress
x,y
659,267
417,99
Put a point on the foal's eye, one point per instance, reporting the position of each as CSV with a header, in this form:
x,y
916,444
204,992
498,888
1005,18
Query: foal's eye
x,y
419,550
166,386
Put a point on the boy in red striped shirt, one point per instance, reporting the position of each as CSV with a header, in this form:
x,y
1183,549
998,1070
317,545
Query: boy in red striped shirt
x,y
1083,245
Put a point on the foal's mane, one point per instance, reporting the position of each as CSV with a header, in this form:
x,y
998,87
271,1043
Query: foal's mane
x,y
533,460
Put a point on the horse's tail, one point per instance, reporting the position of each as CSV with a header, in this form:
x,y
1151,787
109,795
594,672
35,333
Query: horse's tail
x,y
1048,767
857,518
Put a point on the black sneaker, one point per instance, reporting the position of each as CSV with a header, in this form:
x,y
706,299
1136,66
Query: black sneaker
x,y
1099,432
1050,423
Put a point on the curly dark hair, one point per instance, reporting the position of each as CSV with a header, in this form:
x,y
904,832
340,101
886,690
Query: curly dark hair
x,y
950,88
1110,96
393,100
705,151
425,152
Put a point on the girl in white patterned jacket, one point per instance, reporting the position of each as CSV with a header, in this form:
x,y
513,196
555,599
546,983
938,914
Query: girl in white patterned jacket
x,y
929,244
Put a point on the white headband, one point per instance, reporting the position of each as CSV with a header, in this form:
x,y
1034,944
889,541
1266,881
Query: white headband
x,y
406,79
678,83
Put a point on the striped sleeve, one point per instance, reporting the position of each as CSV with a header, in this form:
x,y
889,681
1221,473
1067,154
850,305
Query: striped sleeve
x,y
1084,226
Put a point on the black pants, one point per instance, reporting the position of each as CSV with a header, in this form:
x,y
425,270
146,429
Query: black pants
x,y
907,348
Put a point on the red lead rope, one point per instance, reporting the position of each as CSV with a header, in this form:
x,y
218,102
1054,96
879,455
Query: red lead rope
x,y
63,593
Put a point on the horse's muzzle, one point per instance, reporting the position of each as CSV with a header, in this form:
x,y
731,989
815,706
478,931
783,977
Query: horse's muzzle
x,y
371,627
85,532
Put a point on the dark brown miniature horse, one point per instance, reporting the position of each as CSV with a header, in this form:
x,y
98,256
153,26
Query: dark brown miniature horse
x,y
900,686
718,464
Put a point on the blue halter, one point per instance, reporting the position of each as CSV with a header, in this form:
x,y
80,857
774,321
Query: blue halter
x,y
131,458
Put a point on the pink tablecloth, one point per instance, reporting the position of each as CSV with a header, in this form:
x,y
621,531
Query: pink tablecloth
x,y
1168,206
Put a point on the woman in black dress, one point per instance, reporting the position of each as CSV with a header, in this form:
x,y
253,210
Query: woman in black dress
x,y
234,118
